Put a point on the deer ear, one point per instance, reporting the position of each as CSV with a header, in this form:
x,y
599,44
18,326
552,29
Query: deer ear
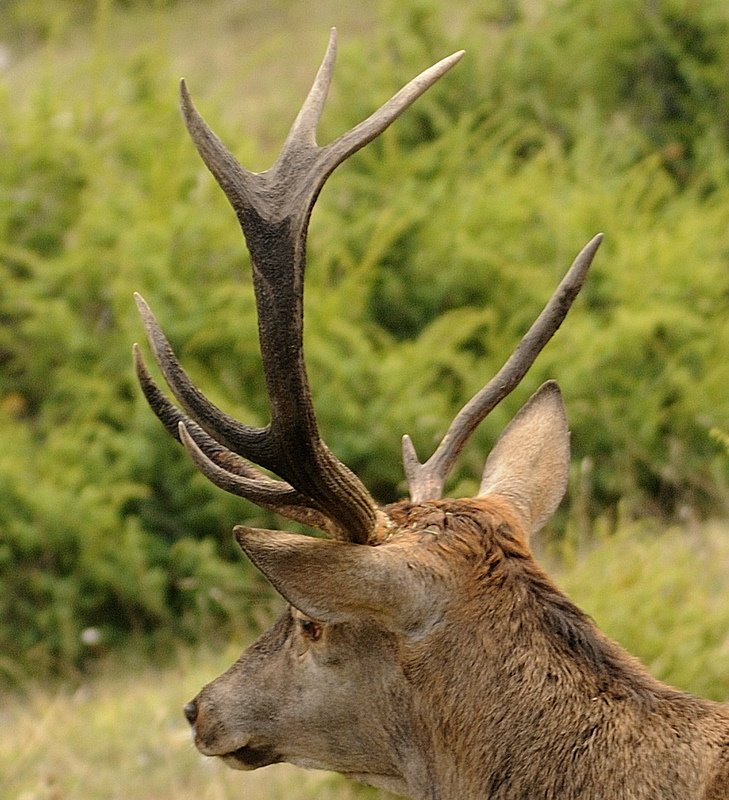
x,y
530,461
333,581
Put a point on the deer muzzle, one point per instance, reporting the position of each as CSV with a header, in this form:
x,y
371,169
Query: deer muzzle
x,y
211,741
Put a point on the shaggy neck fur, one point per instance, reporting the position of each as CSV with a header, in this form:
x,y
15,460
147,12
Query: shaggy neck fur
x,y
519,695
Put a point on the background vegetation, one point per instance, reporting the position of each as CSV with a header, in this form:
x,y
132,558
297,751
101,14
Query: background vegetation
x,y
430,253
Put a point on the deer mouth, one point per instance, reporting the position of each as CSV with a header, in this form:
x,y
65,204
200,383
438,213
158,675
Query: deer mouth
x,y
251,757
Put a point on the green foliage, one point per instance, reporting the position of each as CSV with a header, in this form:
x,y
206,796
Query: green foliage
x,y
516,159
722,437
431,252
105,529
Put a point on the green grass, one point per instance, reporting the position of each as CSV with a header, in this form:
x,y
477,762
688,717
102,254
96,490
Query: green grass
x,y
664,595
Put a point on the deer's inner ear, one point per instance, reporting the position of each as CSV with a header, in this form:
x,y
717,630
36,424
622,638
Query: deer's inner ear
x,y
334,582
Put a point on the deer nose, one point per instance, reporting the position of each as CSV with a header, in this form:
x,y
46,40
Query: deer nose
x,y
190,711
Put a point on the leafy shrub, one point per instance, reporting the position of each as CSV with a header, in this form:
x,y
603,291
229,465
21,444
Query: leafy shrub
x,y
431,252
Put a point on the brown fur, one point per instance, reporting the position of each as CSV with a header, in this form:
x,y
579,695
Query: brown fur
x,y
567,714
510,692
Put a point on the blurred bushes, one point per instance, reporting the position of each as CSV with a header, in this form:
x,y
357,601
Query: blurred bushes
x,y
104,528
430,254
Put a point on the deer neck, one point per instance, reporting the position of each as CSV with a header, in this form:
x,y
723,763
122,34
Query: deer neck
x,y
502,687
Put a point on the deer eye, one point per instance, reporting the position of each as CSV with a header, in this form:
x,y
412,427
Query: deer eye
x,y
310,629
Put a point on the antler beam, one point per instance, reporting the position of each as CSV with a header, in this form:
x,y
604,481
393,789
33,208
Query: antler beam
x,y
273,208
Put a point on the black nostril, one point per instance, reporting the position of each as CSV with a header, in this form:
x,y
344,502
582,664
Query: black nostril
x,y
190,711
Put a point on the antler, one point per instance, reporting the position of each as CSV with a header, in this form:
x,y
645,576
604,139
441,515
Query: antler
x,y
425,481
273,208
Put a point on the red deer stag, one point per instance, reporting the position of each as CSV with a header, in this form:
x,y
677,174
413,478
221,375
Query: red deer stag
x,y
423,650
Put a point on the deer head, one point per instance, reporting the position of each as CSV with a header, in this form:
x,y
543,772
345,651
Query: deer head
x,y
405,617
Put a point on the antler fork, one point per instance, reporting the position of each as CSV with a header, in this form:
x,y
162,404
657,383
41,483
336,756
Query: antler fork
x,y
425,481
273,208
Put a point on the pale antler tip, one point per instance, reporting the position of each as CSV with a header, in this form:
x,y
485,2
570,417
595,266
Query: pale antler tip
x,y
585,256
140,367
145,312
185,99
331,52
409,456
189,112
449,61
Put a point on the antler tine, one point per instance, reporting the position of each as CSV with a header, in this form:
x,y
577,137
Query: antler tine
x,y
232,178
235,435
425,481
273,208
312,162
172,418
376,123
227,469
304,127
